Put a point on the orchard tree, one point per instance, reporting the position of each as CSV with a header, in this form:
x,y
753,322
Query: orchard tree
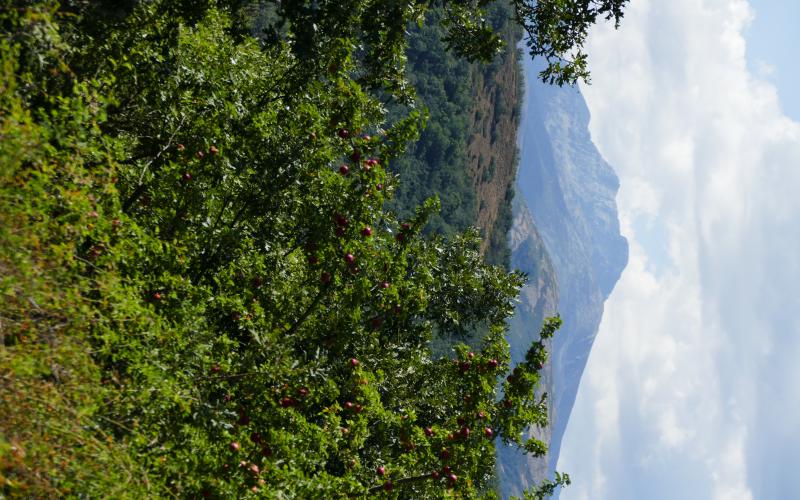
x,y
204,293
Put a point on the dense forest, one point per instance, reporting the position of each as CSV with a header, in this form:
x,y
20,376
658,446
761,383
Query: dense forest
x,y
206,289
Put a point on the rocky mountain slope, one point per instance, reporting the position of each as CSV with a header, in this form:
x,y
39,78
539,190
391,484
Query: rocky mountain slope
x,y
570,192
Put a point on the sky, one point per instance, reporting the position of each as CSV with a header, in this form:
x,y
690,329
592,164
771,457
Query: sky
x,y
692,389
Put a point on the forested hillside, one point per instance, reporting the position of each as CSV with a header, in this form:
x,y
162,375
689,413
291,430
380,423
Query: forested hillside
x,y
466,153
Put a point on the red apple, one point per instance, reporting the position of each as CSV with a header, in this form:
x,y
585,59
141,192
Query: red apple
x,y
452,478
213,150
339,232
435,475
343,133
381,470
344,170
507,403
157,296
287,402
303,391
385,285
254,469
465,432
492,363
116,223
444,454
215,368
367,231
356,156
488,432
186,177
405,226
429,431
354,362
200,155
349,258
348,405
481,414
379,186
358,408
446,469
181,147
388,486
255,437
470,355
234,446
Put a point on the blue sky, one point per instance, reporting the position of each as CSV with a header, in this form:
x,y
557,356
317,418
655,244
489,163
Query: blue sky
x,y
692,390
773,41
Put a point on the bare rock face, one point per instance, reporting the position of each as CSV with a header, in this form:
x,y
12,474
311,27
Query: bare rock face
x,y
570,192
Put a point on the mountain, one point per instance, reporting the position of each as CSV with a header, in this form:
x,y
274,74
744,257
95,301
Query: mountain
x,y
569,191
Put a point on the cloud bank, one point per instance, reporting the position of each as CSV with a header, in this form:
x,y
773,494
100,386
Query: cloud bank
x,y
692,389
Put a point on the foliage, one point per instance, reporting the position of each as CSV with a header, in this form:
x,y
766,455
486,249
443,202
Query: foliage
x,y
203,293
557,30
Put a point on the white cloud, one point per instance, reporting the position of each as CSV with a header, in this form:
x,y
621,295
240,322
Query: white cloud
x,y
692,389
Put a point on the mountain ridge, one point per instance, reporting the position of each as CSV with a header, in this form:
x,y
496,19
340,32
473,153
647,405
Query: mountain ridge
x,y
569,190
